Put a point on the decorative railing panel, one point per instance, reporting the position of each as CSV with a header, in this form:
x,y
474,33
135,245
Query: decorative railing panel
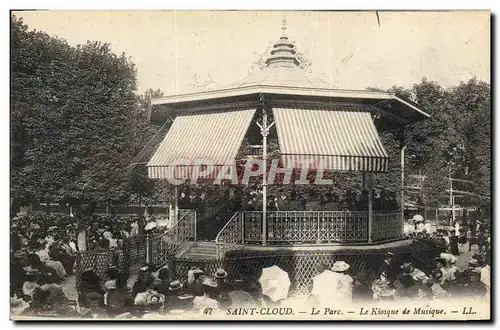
x,y
387,226
230,235
307,226
252,223
99,261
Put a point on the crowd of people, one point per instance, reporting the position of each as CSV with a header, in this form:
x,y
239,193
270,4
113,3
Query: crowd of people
x,y
153,296
45,246
149,296
43,250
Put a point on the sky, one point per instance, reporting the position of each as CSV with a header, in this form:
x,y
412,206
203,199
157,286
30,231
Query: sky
x,y
174,50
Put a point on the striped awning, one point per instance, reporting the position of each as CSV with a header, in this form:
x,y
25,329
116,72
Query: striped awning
x,y
343,139
213,136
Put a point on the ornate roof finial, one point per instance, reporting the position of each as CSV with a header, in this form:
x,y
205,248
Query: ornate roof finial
x,y
283,23
283,52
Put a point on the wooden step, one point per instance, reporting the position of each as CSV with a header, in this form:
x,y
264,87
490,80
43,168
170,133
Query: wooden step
x,y
200,249
200,256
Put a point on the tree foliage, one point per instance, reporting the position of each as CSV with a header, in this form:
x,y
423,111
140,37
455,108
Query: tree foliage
x,y
455,140
72,114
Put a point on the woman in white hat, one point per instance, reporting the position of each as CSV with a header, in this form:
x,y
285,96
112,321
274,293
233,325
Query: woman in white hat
x,y
345,283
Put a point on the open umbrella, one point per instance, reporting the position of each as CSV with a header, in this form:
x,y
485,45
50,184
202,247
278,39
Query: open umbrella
x,y
150,226
275,283
418,218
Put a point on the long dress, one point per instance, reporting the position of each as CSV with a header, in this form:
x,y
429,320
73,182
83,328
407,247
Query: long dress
x,y
327,288
56,265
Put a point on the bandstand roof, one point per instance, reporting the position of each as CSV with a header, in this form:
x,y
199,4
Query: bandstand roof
x,y
282,80
335,126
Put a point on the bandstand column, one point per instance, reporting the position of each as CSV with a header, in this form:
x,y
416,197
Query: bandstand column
x,y
176,205
370,206
402,151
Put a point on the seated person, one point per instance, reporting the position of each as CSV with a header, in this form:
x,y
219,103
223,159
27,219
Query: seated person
x,y
144,281
164,284
208,300
195,277
178,300
89,289
119,300
31,283
57,266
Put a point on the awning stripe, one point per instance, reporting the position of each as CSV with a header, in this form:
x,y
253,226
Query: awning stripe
x,y
214,136
343,139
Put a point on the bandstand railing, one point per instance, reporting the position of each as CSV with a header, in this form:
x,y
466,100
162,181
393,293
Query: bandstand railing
x,y
387,226
309,227
230,235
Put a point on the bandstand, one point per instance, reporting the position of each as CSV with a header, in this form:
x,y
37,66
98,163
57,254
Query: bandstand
x,y
314,124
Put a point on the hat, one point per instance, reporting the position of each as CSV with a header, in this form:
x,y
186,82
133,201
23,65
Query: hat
x,y
163,274
406,267
31,271
208,281
473,263
221,273
175,285
382,289
340,266
419,276
441,260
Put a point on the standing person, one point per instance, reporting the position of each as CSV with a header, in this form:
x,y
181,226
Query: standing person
x,y
454,245
388,267
344,284
469,238
486,276
462,240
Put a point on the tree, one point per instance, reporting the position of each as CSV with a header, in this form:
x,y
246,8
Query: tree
x,y
455,140
73,109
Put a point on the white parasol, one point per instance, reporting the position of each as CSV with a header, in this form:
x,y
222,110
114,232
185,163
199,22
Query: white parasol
x,y
418,218
150,226
275,283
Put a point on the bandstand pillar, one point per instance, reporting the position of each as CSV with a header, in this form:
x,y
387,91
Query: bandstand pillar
x,y
264,131
402,151
370,206
176,205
